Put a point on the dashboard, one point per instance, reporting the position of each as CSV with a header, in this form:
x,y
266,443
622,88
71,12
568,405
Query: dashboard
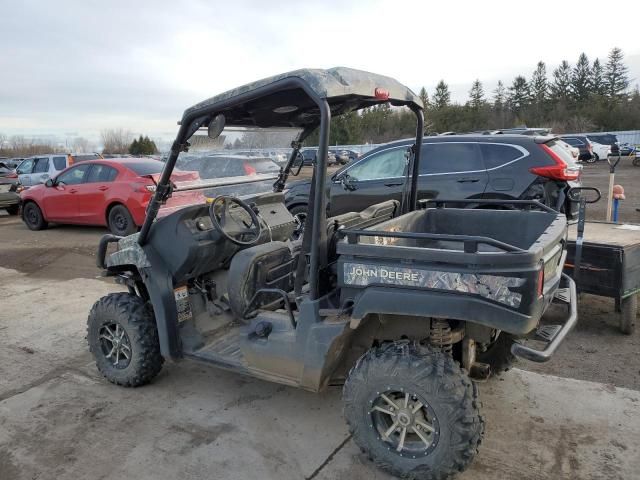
x,y
191,246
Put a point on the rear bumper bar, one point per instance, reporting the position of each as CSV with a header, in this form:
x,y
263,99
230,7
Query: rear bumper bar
x,y
540,356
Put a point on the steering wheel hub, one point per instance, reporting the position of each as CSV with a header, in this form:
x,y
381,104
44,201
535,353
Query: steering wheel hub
x,y
235,220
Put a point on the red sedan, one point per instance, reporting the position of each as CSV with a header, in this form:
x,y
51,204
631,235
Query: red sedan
x,y
112,193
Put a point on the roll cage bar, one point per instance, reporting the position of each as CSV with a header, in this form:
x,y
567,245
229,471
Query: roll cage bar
x,y
314,241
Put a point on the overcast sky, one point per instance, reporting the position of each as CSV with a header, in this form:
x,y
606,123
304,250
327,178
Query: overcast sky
x,y
75,67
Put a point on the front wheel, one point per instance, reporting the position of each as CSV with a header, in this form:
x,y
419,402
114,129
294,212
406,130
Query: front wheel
x,y
33,217
592,159
122,336
636,162
413,411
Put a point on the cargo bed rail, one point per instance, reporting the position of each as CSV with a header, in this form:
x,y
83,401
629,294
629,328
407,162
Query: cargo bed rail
x,y
439,203
469,242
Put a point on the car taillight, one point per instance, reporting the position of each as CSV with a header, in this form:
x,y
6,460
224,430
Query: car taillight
x,y
12,175
559,171
540,281
249,170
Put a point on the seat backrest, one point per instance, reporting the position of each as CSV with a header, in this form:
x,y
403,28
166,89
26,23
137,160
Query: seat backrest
x,y
269,265
372,215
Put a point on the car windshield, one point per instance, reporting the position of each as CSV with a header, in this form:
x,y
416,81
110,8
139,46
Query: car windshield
x,y
240,162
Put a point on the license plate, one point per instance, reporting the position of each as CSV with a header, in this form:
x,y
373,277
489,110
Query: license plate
x,y
181,294
4,188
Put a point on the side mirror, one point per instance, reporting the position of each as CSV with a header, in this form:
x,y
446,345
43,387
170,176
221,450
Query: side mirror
x,y
347,182
49,183
216,126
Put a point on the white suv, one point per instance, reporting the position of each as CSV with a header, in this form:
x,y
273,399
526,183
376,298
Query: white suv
x,y
35,170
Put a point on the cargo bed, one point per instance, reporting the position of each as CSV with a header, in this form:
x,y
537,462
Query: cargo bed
x,y
499,268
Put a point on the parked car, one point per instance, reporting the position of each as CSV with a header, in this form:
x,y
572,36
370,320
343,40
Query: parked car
x,y
36,170
453,167
113,193
83,157
13,162
603,138
600,151
40,168
583,144
9,193
225,166
7,170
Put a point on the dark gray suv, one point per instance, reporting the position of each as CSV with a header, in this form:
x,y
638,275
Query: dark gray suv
x,y
453,167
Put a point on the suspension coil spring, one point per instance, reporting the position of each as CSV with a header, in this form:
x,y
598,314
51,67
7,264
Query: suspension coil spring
x,y
440,335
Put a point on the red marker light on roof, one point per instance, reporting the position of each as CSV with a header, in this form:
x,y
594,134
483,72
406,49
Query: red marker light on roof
x,y
381,94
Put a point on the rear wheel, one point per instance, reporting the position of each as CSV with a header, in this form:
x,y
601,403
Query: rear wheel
x,y
122,336
628,314
121,222
413,411
33,218
636,161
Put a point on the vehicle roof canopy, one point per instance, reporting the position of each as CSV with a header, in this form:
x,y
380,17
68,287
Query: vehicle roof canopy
x,y
286,100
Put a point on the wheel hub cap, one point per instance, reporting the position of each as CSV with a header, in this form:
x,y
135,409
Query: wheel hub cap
x,y
115,345
405,422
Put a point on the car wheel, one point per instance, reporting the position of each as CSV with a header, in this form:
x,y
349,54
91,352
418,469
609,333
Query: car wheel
x,y
123,338
596,157
121,222
13,209
32,217
413,411
299,213
592,159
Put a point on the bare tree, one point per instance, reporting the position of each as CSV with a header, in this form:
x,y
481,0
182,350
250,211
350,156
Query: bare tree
x,y
81,145
116,140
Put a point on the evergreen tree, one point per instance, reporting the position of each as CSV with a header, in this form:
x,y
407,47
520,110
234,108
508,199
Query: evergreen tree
x,y
424,96
597,78
499,95
539,84
519,94
616,78
134,147
476,95
581,80
442,96
561,85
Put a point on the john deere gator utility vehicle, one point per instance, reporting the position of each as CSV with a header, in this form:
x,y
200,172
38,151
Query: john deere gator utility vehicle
x,y
401,303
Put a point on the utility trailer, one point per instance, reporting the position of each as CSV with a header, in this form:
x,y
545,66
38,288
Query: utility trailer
x,y
609,266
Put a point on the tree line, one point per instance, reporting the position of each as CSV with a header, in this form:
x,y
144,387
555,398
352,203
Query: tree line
x,y
586,96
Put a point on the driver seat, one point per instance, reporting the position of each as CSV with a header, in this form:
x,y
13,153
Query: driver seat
x,y
269,265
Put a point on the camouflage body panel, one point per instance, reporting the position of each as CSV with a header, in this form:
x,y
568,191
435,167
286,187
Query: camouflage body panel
x,y
493,287
129,253
328,84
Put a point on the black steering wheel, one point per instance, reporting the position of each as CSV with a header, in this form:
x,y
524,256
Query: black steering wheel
x,y
235,229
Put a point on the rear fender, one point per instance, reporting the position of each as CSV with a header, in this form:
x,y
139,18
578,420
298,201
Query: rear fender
x,y
424,303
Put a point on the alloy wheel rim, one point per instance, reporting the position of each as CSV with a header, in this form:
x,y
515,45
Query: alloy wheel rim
x,y
405,423
115,345
300,219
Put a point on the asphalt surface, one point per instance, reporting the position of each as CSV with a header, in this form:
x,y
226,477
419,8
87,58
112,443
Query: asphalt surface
x,y
60,420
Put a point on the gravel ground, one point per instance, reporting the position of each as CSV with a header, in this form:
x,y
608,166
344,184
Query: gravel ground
x,y
594,351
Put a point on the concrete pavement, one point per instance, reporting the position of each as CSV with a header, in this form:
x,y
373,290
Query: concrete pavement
x,y
60,420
